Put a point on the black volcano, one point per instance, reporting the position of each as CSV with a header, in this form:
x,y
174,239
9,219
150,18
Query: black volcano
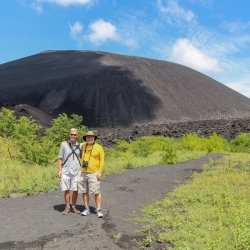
x,y
111,90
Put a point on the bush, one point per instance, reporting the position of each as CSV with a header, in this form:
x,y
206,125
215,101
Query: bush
x,y
61,126
192,142
214,143
241,144
7,122
140,147
32,148
121,145
169,155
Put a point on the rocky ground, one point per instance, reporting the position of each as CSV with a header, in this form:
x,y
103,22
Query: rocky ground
x,y
228,129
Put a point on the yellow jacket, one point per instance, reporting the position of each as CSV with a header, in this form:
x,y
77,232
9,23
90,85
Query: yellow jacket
x,y
95,160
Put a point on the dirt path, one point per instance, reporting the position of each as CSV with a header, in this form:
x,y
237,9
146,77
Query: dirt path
x,y
36,222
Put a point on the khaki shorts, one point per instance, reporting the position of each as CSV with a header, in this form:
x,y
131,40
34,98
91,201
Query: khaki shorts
x,y
68,182
87,182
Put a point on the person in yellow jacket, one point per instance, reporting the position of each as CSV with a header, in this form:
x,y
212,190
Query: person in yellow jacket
x,y
90,176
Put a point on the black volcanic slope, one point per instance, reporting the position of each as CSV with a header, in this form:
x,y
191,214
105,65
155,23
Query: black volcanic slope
x,y
111,90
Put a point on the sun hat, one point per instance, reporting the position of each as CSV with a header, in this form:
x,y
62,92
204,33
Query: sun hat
x,y
89,133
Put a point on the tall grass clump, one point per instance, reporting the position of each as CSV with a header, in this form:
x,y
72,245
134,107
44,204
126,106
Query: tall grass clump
x,y
20,179
211,211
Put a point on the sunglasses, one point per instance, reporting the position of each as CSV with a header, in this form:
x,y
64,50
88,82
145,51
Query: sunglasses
x,y
73,134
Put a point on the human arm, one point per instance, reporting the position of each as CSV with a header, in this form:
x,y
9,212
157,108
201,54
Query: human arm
x,y
60,161
101,158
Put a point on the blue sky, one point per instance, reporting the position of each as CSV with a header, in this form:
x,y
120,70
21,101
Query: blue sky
x,y
210,36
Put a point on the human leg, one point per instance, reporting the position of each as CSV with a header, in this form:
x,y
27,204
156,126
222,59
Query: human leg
x,y
83,188
85,197
98,205
73,187
67,198
94,188
98,198
67,202
74,198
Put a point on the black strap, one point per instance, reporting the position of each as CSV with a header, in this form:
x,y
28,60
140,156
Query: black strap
x,y
90,151
73,152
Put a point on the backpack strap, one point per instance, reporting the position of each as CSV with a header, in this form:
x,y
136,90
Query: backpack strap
x,y
73,152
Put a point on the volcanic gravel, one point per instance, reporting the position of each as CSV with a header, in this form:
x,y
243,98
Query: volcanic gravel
x,y
37,222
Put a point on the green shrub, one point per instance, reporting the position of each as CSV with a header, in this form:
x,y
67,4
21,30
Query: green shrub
x,y
241,144
121,145
214,143
191,142
140,147
169,154
7,122
61,126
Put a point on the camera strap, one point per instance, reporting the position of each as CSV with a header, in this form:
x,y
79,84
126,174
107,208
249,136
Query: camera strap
x,y
73,152
90,151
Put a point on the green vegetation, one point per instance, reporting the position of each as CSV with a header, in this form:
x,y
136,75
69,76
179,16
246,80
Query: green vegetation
x,y
28,162
211,211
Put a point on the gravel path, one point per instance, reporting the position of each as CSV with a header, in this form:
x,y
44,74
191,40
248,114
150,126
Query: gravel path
x,y
36,222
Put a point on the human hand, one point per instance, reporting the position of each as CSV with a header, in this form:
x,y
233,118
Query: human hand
x,y
98,176
59,174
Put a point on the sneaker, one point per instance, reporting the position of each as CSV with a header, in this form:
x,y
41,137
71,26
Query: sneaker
x,y
76,211
99,213
85,212
66,210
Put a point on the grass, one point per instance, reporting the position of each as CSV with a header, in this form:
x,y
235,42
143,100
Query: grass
x,y
211,211
19,179
117,162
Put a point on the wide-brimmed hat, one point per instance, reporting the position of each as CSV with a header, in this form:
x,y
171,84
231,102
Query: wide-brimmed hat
x,y
89,133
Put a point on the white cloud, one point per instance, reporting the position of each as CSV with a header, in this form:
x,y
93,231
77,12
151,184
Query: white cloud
x,y
38,4
102,31
37,7
203,3
75,32
236,26
66,3
76,28
185,53
241,86
175,10
131,43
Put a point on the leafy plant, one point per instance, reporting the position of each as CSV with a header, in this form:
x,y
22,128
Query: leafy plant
x,y
169,154
61,126
7,122
241,144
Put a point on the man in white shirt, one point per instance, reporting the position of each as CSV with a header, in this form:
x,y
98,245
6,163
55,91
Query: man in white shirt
x,y
68,168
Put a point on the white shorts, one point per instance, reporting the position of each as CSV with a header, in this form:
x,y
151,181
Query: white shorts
x,y
68,182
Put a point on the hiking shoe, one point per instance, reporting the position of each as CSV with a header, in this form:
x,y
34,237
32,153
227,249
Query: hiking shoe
x,y
99,213
76,211
66,210
85,212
